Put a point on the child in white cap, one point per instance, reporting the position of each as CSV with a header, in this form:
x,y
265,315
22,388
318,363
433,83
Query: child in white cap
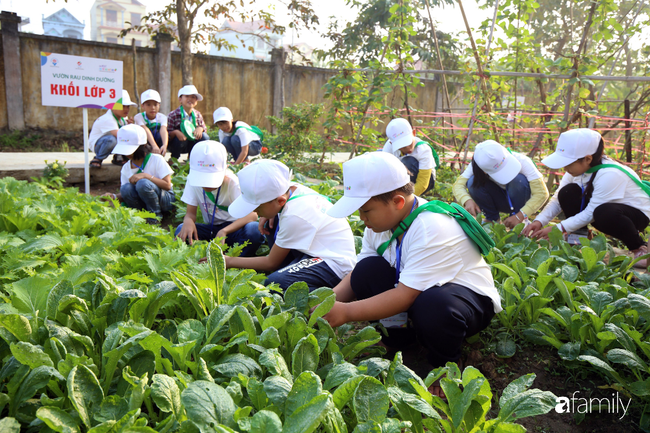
x,y
237,136
608,198
146,177
185,124
153,122
212,188
103,135
415,154
432,274
501,181
306,244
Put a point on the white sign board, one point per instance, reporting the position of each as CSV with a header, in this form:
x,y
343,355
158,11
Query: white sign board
x,y
80,82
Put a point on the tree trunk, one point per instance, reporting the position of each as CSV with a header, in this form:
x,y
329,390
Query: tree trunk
x,y
185,42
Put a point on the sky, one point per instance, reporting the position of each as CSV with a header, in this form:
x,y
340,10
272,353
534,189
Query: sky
x,y
449,18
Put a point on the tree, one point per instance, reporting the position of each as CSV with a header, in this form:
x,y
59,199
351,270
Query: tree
x,y
179,19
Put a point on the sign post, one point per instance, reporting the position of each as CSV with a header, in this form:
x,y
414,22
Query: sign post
x,y
81,82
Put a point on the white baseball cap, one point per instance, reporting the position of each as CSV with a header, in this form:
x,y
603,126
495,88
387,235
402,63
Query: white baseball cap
x,y
207,164
126,98
190,89
496,161
260,182
129,138
367,176
400,133
573,145
150,95
222,113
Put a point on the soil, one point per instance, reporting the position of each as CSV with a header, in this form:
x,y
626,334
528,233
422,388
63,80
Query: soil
x,y
41,140
552,374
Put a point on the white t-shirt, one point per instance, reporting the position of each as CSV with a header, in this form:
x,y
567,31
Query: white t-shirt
x,y
245,136
422,153
156,166
102,126
435,251
193,196
306,227
610,186
138,119
528,169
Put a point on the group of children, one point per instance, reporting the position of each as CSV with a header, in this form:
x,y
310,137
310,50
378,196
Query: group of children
x,y
418,271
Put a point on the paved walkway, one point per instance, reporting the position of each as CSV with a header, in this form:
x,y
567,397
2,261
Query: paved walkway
x,y
25,165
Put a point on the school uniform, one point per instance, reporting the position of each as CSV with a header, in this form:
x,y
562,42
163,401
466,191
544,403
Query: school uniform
x,y
526,192
100,139
154,125
145,194
421,158
243,136
322,247
214,209
174,119
617,207
458,296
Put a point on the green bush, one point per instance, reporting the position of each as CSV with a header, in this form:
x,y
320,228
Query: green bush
x,y
296,132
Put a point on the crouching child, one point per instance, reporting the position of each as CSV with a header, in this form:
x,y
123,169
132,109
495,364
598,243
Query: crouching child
x,y
425,274
306,244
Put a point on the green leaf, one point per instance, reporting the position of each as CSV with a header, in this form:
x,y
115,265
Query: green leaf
x,y
630,359
309,416
508,271
370,401
323,308
527,403
9,425
570,273
190,330
61,289
270,338
36,379
166,394
570,351
590,257
305,356
256,393
538,257
217,264
339,374
265,421
234,364
306,387
57,419
297,295
344,393
275,364
276,320
460,401
277,389
28,354
506,347
207,405
17,324
29,295
84,392
113,408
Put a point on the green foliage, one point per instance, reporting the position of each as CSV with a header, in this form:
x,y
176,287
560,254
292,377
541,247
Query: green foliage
x,y
296,132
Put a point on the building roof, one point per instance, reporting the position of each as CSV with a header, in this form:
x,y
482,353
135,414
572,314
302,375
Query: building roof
x,y
63,16
250,27
110,2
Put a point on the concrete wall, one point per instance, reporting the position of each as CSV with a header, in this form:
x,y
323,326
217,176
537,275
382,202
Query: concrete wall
x,y
245,86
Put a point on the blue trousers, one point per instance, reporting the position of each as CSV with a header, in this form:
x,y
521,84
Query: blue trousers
x,y
492,199
176,146
147,195
440,318
104,146
413,165
249,232
232,144
298,266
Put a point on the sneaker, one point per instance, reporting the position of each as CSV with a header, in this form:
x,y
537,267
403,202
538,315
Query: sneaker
x,y
642,250
573,238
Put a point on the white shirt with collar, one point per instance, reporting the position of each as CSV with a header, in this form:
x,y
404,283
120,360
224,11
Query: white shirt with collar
x,y
194,196
245,136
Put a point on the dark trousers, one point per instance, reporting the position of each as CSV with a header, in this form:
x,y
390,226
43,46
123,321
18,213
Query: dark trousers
x,y
441,316
413,166
614,219
492,199
249,232
176,146
232,143
298,266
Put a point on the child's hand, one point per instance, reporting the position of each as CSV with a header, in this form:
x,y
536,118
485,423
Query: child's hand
x,y
189,233
129,120
337,316
198,133
163,150
136,177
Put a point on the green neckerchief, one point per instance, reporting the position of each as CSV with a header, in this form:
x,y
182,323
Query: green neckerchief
x,y
150,125
119,121
211,197
469,225
192,116
144,163
643,184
